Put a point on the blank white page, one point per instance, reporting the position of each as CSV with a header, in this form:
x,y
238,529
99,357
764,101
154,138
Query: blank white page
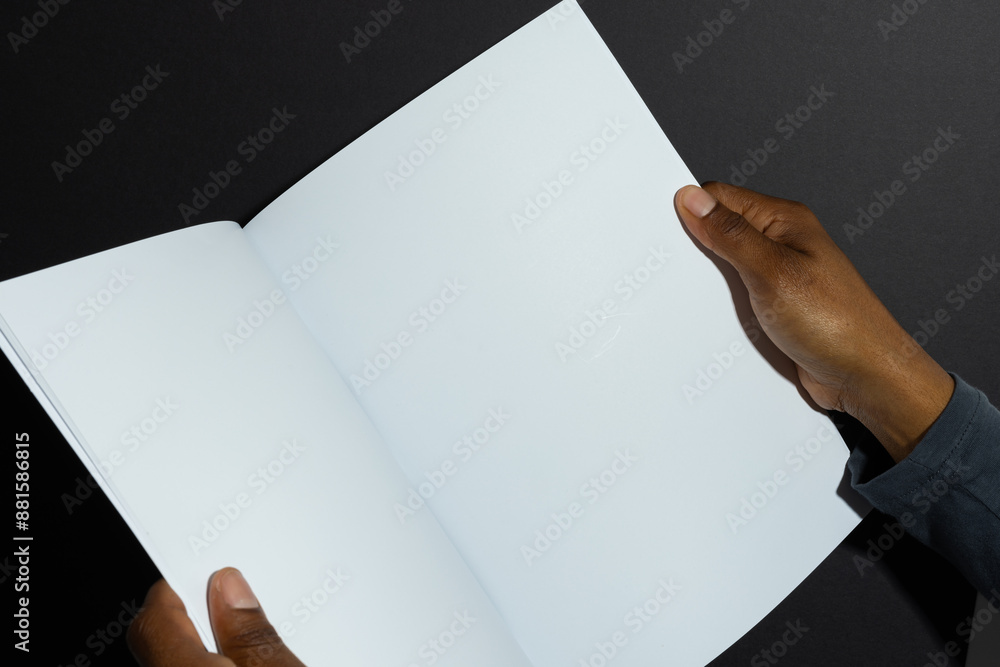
x,y
220,431
499,274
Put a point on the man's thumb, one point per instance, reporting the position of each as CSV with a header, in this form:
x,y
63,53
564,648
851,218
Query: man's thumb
x,y
242,631
726,233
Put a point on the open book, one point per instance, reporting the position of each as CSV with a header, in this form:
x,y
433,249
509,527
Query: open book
x,y
467,394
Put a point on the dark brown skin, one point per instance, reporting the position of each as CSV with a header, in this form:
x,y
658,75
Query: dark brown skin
x,y
852,355
162,635
850,352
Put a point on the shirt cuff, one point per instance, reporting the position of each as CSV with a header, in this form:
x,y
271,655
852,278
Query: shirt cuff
x,y
947,491
946,449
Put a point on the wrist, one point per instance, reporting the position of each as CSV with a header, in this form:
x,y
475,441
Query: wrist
x,y
899,398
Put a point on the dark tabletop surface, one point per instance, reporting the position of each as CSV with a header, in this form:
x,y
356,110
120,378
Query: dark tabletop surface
x,y
854,102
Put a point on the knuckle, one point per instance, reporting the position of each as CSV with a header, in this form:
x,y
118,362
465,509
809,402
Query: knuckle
x,y
780,274
255,641
139,630
797,207
729,224
794,236
798,213
796,284
146,636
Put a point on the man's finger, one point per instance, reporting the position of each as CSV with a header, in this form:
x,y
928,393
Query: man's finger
x,y
759,209
241,629
788,222
729,234
162,635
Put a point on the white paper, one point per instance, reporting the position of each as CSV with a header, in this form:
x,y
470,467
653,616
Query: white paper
x,y
656,568
481,321
222,434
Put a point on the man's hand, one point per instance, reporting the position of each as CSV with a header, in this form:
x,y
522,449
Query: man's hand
x,y
850,352
162,635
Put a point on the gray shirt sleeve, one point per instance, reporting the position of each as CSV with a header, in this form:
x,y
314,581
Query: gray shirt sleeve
x,y
947,491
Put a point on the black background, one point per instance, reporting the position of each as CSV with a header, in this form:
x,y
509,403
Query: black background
x,y
892,92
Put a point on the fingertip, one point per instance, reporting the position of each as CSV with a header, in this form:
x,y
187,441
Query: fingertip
x,y
242,630
694,223
161,594
696,201
234,589
161,633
